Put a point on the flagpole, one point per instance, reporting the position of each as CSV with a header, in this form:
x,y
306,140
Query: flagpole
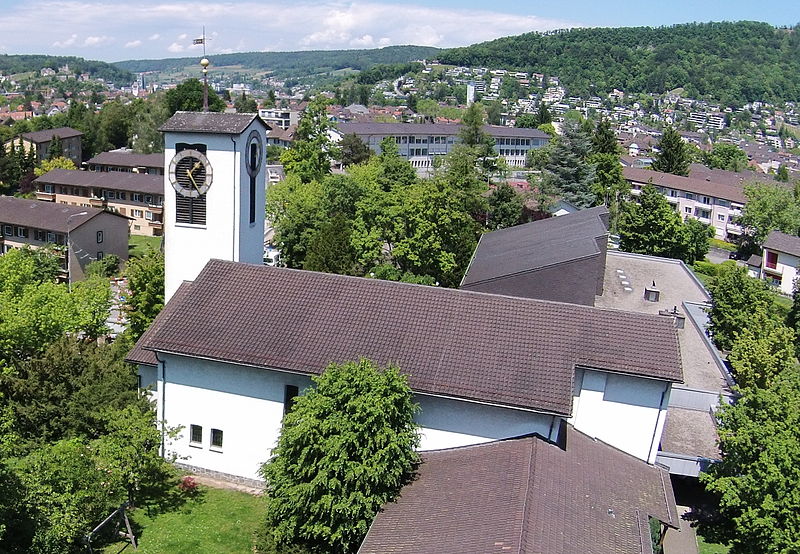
x,y
204,63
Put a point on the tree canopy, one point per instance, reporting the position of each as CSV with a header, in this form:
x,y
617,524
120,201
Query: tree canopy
x,y
346,448
188,97
672,155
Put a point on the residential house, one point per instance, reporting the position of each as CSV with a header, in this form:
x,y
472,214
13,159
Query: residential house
x,y
139,196
780,260
560,258
280,117
233,347
421,143
127,161
527,496
86,234
716,204
40,141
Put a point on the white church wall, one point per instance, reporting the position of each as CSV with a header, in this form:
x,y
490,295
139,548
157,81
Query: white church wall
x,y
624,411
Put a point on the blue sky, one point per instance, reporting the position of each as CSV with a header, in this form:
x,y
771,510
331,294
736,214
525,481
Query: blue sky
x,y
112,30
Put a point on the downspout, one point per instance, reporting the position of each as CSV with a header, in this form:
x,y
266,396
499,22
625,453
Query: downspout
x,y
234,258
163,364
661,407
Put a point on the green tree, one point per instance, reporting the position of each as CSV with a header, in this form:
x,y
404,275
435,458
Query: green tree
x,y
294,208
726,156
146,284
188,97
56,149
354,150
672,156
505,207
783,174
245,104
769,208
543,116
603,140
572,173
106,267
395,170
526,121
793,317
330,249
651,226
471,133
609,186
309,157
756,481
53,163
346,448
734,298
698,236
762,351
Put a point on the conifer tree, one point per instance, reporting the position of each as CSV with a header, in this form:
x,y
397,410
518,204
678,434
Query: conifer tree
x,y
672,156
572,172
603,139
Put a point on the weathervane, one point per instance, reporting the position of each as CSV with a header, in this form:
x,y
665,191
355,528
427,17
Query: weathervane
x,y
204,63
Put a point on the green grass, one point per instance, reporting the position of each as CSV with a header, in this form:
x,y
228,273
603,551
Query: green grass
x,y
218,520
710,548
717,243
137,245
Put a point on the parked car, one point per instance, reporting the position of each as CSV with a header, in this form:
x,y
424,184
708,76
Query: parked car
x,y
272,257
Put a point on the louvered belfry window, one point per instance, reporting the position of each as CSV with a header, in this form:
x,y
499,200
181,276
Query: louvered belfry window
x,y
190,210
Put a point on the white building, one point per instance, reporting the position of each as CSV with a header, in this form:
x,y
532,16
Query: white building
x,y
780,260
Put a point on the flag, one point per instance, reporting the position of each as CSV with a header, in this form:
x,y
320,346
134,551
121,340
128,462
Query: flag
x,y
199,41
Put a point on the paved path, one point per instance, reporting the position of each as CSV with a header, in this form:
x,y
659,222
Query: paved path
x,y
683,541
220,484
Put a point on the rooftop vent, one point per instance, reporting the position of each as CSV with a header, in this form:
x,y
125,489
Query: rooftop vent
x,y
652,294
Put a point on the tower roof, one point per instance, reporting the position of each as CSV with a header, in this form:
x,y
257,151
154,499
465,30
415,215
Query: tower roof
x,y
210,122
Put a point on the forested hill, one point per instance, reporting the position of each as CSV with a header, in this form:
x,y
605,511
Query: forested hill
x,y
295,64
23,63
732,63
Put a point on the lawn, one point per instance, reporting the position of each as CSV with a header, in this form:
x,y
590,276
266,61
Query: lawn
x,y
710,548
137,245
217,520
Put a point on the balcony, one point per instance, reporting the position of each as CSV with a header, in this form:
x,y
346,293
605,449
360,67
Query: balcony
x,y
156,208
97,203
46,196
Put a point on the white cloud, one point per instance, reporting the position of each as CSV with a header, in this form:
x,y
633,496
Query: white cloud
x,y
65,43
96,41
175,47
155,36
133,44
183,36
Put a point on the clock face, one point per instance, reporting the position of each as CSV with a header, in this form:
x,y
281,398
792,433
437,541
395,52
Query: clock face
x,y
190,173
254,153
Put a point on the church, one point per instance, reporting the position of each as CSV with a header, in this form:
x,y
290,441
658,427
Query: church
x,y
237,341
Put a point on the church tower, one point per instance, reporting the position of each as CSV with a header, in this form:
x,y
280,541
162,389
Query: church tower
x,y
214,189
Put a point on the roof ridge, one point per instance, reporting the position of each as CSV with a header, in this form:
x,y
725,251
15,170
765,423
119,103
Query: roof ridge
x,y
526,505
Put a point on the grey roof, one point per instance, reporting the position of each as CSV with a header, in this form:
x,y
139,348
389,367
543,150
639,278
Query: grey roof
x,y
534,245
48,134
526,496
210,122
781,242
45,215
129,159
733,193
511,351
733,178
690,433
435,129
113,180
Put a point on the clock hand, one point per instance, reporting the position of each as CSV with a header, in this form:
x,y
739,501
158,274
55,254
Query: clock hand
x,y
194,183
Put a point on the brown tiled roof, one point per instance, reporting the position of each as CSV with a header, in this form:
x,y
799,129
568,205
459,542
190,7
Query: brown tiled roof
x,y
526,496
537,244
781,242
112,180
209,122
48,134
147,357
129,159
45,215
435,129
732,193
510,351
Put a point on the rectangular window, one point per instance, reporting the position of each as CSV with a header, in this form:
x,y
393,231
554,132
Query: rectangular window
x,y
48,189
721,217
8,230
196,434
148,198
772,260
216,438
99,237
706,200
252,199
40,235
51,237
137,213
290,392
22,232
100,255
689,196
121,195
137,197
148,216
688,210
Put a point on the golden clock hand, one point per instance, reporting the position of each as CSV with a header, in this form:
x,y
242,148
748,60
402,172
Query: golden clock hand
x,y
194,183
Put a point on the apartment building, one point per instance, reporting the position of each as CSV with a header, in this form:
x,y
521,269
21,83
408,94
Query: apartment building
x,y
280,117
126,161
41,140
137,196
84,233
420,143
716,204
780,260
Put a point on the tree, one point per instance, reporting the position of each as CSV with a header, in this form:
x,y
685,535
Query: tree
x,y
330,249
395,170
146,284
188,97
609,187
56,149
726,156
346,448
672,156
769,208
697,236
572,172
651,226
783,174
471,133
793,317
106,267
734,297
526,121
354,150
309,157
756,481
53,163
505,207
243,104
603,140
543,115
762,351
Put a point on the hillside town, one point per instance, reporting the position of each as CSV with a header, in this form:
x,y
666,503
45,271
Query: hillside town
x,y
458,309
